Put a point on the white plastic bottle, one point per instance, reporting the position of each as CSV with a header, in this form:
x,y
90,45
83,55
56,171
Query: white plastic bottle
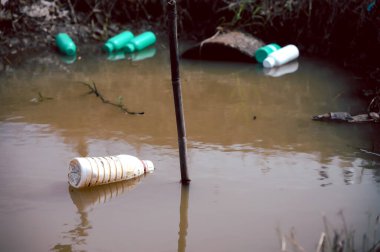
x,y
91,171
281,56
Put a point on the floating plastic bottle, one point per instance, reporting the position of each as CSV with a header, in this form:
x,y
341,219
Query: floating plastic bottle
x,y
140,42
264,51
91,171
117,42
281,56
65,44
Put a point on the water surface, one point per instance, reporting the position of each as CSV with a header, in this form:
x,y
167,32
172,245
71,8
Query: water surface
x,y
258,163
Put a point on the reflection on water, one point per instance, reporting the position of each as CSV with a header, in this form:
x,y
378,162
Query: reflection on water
x,y
183,218
136,56
85,201
281,70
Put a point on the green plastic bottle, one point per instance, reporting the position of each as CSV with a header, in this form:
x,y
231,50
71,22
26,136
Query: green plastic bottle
x,y
140,42
65,44
117,42
264,51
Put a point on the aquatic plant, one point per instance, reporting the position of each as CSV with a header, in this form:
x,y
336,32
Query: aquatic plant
x,y
342,239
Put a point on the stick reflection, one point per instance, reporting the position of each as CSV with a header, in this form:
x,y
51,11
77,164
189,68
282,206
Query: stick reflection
x,y
183,218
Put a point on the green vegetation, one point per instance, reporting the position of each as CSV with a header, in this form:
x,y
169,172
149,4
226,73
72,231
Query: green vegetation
x,y
343,239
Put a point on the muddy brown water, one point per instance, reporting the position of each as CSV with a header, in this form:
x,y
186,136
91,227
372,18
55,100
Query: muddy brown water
x,y
260,167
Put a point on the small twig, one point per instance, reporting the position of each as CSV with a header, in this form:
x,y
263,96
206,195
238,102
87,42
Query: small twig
x,y
321,242
94,89
293,240
327,230
370,152
219,30
9,62
282,240
374,104
374,247
41,98
72,11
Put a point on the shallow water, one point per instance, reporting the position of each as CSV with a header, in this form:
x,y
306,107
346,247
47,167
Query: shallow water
x,y
258,164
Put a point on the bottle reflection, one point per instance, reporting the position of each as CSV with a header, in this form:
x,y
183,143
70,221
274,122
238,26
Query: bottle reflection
x,y
68,59
143,54
281,70
85,201
183,218
117,55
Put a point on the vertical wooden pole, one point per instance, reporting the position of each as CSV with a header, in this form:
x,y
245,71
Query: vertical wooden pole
x,y
176,83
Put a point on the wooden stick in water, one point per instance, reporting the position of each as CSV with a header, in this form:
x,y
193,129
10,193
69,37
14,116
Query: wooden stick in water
x,y
176,83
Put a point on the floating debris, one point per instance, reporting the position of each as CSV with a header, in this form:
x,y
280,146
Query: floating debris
x,y
347,117
231,46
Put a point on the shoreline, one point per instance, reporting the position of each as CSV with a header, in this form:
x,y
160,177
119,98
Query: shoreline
x,y
30,26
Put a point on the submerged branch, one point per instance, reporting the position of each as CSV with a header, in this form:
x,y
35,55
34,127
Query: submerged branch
x,y
41,98
120,105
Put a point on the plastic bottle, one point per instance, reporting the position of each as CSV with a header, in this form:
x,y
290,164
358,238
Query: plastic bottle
x,y
264,51
117,42
140,42
65,44
91,171
281,56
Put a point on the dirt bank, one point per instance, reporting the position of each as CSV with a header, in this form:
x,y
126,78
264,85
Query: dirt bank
x,y
318,28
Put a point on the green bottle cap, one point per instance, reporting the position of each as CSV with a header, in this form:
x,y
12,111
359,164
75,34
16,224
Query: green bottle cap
x,y
264,51
108,47
71,51
129,48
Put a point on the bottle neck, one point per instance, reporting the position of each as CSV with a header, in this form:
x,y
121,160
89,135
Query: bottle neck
x,y
269,62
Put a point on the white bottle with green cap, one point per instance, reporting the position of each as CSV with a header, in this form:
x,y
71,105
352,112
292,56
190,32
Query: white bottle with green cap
x,y
140,42
117,42
92,171
281,56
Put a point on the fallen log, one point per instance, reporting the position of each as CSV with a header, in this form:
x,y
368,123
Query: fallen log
x,y
227,46
347,117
